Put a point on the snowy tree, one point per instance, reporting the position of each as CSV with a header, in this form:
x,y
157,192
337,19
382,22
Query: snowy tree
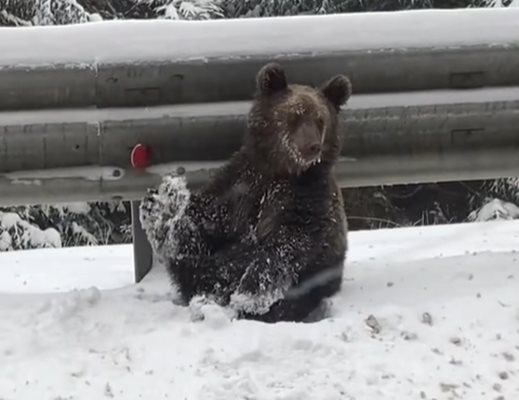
x,y
16,12
502,3
43,12
261,8
183,9
60,12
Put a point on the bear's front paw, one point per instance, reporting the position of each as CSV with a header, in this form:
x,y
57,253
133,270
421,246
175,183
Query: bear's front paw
x,y
254,303
167,202
206,308
174,195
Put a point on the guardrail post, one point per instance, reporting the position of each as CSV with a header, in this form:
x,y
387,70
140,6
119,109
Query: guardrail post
x,y
142,251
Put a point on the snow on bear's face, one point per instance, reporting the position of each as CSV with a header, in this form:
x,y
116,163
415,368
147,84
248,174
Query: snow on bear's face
x,y
295,126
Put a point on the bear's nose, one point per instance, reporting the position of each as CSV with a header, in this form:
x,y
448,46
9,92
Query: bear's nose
x,y
314,149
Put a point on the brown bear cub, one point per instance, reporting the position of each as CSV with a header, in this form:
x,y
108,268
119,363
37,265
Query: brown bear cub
x,y
266,236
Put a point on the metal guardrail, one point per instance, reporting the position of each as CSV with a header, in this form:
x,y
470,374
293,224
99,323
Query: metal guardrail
x,y
387,139
145,63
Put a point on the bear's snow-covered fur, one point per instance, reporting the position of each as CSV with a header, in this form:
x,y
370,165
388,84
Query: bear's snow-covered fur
x,y
267,236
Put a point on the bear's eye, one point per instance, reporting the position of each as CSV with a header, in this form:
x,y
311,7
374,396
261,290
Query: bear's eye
x,y
320,122
294,119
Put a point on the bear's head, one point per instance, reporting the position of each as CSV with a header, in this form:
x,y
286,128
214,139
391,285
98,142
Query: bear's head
x,y
293,128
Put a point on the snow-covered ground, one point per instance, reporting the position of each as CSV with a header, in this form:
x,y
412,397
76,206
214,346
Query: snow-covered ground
x,y
425,313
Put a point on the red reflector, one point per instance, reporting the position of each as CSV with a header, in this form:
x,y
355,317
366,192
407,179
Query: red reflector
x,y
140,156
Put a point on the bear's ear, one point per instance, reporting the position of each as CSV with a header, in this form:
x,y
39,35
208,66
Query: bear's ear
x,y
337,90
271,79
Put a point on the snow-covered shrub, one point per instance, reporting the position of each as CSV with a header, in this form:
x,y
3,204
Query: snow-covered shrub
x,y
506,188
263,8
60,12
16,12
43,12
76,224
494,199
17,234
184,9
502,3
495,209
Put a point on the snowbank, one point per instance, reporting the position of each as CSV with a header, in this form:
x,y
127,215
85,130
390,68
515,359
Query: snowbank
x,y
116,41
51,271
425,313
